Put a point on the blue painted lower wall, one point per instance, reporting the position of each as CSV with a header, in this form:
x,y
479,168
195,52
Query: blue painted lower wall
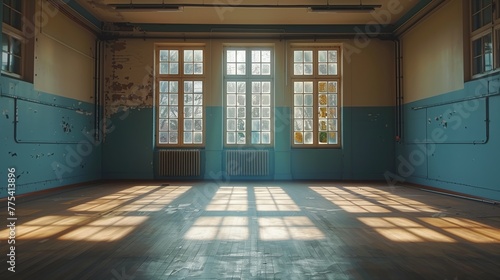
x,y
367,152
452,141
48,139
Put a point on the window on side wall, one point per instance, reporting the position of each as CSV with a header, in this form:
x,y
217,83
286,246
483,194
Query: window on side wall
x,y
13,38
485,36
316,94
180,93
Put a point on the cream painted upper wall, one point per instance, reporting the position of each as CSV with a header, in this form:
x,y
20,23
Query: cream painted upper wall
x,y
369,73
64,55
433,61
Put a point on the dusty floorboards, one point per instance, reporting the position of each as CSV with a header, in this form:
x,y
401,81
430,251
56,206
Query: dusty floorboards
x,y
252,231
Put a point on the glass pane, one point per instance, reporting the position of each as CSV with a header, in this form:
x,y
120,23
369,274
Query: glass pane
x,y
174,87
298,137
255,125
256,112
163,68
197,137
174,56
198,86
266,112
488,53
240,68
231,138
6,15
266,56
173,124
266,137
174,68
241,138
188,87
332,68
487,15
188,56
241,99
188,68
231,56
241,56
231,69
332,87
198,125
188,137
231,87
231,112
298,112
308,87
198,55
255,99
308,69
163,99
231,99
164,125
298,69
163,55
173,112
241,87
308,56
240,125
332,138
332,56
298,87
308,112
322,69
298,100
198,99
322,56
298,125
174,99
188,111
164,138
198,111
266,69
5,42
308,125
241,112
231,125
16,20
298,56
255,56
198,68
173,138
308,138
322,138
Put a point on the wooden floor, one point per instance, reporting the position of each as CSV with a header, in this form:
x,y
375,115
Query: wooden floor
x,y
252,231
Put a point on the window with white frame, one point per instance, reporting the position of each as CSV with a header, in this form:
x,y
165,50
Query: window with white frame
x,y
485,36
180,96
248,96
316,95
13,38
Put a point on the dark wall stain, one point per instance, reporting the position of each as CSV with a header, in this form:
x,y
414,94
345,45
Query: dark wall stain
x,y
12,154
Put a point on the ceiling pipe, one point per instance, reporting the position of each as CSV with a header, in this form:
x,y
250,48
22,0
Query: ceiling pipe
x,y
311,8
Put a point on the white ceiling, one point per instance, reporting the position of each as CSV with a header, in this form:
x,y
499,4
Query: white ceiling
x,y
389,13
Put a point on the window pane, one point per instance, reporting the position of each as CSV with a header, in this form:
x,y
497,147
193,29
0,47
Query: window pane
x,y
488,53
248,115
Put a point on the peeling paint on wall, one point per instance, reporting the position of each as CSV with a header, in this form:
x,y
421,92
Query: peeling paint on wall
x,y
129,77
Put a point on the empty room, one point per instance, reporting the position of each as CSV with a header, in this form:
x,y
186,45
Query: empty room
x,y
250,139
